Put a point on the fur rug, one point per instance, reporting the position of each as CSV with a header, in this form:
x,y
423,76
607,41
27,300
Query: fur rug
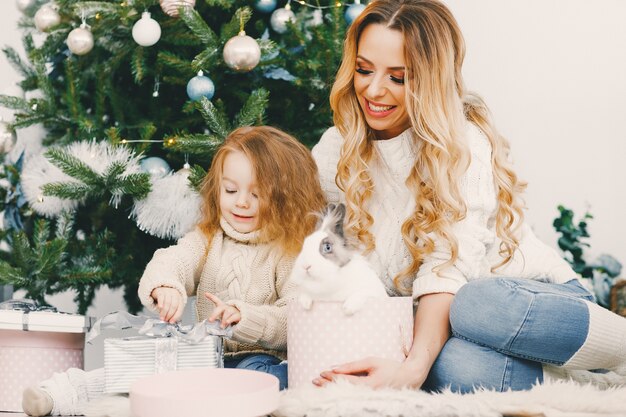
x,y
557,399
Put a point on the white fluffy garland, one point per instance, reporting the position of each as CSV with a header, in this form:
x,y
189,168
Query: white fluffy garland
x,y
171,209
99,156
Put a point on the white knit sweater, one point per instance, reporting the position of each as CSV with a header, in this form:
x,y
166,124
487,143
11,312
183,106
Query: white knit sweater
x,y
241,271
392,202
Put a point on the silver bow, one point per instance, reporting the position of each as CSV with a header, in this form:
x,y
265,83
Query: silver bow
x,y
25,305
151,327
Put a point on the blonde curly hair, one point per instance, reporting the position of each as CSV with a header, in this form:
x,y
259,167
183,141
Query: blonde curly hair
x,y
438,106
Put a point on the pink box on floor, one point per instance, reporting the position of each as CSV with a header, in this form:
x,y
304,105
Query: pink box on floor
x,y
324,336
33,346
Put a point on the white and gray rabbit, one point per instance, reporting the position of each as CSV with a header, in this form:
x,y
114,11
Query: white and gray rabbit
x,y
328,270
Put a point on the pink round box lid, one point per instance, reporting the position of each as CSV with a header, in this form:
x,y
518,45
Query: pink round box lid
x,y
205,392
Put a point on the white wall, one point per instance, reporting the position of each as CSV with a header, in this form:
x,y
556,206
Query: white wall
x,y
554,75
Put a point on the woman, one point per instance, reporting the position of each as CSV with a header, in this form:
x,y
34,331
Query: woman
x,y
435,205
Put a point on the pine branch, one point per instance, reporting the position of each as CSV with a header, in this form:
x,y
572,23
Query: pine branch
x,y
16,62
41,233
147,131
197,176
239,19
12,276
21,250
51,255
90,8
71,93
268,48
216,120
136,185
171,60
195,144
205,59
23,121
72,166
14,103
253,110
69,190
198,26
138,64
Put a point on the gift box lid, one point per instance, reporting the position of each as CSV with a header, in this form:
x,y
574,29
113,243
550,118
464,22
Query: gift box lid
x,y
43,321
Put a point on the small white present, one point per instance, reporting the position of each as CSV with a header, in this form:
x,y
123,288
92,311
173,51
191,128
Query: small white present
x,y
162,347
128,359
34,345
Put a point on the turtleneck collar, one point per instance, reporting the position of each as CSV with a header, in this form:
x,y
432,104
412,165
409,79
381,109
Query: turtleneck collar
x,y
252,237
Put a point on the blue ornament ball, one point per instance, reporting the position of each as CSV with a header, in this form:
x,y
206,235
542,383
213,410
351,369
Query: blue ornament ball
x,y
200,86
353,11
265,6
155,166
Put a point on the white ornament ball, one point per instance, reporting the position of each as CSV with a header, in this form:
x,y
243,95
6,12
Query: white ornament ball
x,y
279,19
23,5
170,7
353,11
242,53
80,40
146,31
46,18
155,166
7,137
265,6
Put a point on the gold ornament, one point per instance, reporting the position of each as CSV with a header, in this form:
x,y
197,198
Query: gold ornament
x,y
170,7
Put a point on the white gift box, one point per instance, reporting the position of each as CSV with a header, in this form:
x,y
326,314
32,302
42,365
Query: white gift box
x,y
324,336
33,346
131,358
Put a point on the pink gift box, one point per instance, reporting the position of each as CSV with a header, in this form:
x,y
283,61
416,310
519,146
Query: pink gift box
x,y
324,336
30,356
205,393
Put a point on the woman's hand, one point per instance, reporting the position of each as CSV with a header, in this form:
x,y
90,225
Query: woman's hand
x,y
377,373
226,313
169,303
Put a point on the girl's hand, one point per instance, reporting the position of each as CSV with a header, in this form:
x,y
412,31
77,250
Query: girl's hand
x,y
375,373
169,303
226,313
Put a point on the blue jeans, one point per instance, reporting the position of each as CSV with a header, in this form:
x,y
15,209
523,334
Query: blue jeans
x,y
503,330
262,363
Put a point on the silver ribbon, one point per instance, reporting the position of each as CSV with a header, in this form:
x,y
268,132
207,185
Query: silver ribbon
x,y
166,352
25,306
147,326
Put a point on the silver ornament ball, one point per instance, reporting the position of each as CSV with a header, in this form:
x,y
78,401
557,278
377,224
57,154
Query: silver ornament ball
x,y
279,19
46,18
170,7
200,86
23,5
353,11
80,40
7,137
242,53
155,166
146,31
265,6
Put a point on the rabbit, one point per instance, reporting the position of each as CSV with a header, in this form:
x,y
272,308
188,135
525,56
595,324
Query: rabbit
x,y
328,270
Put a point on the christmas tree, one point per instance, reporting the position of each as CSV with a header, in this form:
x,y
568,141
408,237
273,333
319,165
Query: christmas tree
x,y
134,96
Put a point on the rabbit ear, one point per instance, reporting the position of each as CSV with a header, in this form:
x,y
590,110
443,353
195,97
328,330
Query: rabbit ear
x,y
339,213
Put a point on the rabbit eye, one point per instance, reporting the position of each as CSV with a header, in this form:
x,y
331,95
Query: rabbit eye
x,y
327,247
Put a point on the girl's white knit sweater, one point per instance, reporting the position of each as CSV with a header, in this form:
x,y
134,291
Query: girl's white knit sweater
x,y
242,271
392,202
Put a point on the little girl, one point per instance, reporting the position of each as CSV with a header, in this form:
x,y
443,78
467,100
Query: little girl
x,y
257,197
